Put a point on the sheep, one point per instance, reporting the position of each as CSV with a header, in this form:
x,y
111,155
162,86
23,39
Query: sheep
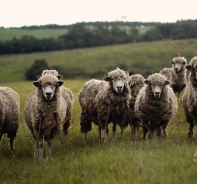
x,y
104,101
176,74
69,97
9,114
190,96
45,111
135,82
156,104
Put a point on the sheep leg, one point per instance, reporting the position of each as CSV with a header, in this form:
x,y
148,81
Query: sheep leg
x,y
48,152
160,131
152,128
145,129
114,130
11,135
122,130
106,130
191,127
39,147
133,131
99,133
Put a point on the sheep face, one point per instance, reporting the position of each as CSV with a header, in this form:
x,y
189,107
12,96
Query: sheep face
x,y
117,79
157,84
192,67
135,82
117,83
48,85
178,64
48,91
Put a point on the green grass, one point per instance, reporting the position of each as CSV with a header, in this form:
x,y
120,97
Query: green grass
x,y
8,34
124,160
144,58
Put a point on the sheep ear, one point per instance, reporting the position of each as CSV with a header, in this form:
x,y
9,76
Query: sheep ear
x,y
60,83
188,67
36,83
107,78
167,82
59,76
146,81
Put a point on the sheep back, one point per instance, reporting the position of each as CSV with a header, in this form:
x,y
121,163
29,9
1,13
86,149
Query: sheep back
x,y
9,112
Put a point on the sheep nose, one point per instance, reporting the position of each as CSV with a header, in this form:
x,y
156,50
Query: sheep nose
x,y
157,93
119,87
48,93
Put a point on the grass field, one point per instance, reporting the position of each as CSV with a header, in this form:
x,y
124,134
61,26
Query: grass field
x,y
123,160
144,58
8,34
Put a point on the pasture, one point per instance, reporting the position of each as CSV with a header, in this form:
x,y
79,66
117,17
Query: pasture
x,y
124,160
10,33
144,58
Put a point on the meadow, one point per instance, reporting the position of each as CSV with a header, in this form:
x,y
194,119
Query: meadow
x,y
144,58
123,160
7,33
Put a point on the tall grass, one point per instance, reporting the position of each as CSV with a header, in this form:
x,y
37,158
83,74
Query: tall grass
x,y
124,160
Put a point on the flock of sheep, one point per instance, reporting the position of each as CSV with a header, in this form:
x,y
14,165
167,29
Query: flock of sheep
x,y
119,99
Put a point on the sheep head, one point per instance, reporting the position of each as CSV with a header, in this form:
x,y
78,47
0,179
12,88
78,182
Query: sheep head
x,y
135,82
48,84
117,78
178,64
192,66
157,82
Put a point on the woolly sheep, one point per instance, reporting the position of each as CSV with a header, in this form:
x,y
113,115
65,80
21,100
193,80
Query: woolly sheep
x,y
135,82
190,96
103,102
176,74
156,104
9,114
69,98
45,111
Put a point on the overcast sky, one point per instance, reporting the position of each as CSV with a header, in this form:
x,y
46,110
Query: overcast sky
x,y
17,13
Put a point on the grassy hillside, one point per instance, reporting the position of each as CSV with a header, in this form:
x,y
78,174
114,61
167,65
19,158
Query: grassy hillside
x,y
144,58
124,160
9,33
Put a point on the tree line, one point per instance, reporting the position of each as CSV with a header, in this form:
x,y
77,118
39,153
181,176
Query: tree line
x,y
98,34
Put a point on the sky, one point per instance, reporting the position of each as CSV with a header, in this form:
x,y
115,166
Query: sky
x,y
17,13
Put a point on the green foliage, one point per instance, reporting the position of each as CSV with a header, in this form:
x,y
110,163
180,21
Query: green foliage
x,y
124,160
10,33
36,69
144,58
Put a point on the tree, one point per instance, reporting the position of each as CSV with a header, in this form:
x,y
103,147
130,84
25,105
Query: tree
x,y
36,69
178,33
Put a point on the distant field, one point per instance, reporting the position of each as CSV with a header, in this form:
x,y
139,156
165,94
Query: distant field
x,y
144,58
8,34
